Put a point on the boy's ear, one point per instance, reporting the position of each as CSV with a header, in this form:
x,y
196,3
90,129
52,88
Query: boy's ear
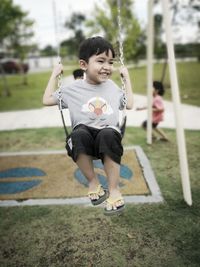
x,y
83,64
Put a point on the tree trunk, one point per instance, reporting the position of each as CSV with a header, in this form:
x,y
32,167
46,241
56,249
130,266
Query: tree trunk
x,y
5,91
23,74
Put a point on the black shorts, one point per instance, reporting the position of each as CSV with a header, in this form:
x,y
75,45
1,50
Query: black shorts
x,y
95,142
154,125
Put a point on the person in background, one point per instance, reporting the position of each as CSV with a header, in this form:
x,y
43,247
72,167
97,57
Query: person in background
x,y
78,74
157,112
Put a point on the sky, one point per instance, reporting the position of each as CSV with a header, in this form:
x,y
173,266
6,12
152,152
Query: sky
x,y
42,12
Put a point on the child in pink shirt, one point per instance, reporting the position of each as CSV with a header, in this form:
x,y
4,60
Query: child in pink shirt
x,y
157,110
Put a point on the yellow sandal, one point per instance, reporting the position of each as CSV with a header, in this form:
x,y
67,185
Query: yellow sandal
x,y
111,207
101,193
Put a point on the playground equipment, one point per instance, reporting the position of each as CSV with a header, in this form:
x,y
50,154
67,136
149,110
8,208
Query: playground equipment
x,y
175,93
174,85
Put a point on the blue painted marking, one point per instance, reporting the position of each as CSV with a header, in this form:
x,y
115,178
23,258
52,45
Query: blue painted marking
x,y
80,177
14,187
21,172
125,173
98,164
17,187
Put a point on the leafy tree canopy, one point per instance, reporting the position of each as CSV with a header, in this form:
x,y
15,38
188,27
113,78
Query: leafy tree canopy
x,y
105,22
16,29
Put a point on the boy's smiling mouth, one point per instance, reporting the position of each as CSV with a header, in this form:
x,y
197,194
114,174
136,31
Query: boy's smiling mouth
x,y
104,74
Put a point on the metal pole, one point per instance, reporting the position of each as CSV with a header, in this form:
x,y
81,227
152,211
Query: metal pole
x,y
150,44
177,107
56,30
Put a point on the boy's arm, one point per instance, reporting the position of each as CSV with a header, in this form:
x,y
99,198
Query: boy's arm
x,y
48,99
129,93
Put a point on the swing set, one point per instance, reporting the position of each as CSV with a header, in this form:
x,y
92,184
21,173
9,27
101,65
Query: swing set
x,y
175,89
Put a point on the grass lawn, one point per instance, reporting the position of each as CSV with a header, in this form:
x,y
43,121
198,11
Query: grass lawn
x,y
30,96
146,235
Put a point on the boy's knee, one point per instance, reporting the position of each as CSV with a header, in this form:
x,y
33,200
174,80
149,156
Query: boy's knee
x,y
108,137
106,133
80,133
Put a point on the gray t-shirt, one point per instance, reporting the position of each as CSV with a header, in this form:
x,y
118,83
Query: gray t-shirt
x,y
93,105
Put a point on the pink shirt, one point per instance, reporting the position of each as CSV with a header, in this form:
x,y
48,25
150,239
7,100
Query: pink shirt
x,y
158,103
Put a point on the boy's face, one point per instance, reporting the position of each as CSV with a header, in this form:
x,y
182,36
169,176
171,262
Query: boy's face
x,y
99,68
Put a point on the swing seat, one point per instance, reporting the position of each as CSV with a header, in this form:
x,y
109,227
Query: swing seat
x,y
101,194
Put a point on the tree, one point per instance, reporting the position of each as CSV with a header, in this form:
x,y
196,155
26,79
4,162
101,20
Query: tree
x,y
184,13
16,31
105,22
48,51
19,42
76,25
8,15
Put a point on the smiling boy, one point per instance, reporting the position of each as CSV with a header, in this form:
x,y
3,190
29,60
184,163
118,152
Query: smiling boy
x,y
94,104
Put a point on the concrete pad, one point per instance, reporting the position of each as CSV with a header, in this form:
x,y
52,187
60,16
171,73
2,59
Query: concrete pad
x,y
152,194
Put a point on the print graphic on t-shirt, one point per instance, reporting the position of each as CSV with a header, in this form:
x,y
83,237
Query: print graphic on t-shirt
x,y
97,107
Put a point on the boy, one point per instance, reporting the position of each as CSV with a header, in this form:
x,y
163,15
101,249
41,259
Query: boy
x,y
157,110
94,104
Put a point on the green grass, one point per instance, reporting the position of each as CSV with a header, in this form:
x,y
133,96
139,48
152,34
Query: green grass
x,y
146,235
188,77
24,96
30,96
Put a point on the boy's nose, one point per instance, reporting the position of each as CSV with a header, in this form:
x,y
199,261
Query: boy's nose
x,y
107,66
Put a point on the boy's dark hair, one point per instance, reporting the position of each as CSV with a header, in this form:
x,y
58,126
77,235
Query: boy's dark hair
x,y
94,46
159,87
78,73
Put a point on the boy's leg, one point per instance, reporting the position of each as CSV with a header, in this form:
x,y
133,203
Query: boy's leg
x,y
85,164
115,202
80,148
108,147
112,170
96,193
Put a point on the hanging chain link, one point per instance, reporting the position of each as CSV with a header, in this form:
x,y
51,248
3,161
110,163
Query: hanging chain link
x,y
59,78
59,83
121,51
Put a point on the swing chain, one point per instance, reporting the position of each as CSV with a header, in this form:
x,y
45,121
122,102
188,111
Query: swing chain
x,y
120,40
121,52
59,80
121,60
